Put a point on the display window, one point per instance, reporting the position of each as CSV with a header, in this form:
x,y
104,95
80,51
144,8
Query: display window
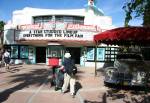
x,y
100,54
103,54
23,52
90,53
14,52
17,51
110,54
55,51
31,53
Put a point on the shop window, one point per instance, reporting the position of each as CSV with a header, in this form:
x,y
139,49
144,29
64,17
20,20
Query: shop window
x,y
104,54
23,51
110,54
90,54
14,52
100,54
31,53
55,51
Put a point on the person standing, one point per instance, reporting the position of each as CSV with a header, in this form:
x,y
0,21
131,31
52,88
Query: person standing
x,y
69,77
1,57
6,58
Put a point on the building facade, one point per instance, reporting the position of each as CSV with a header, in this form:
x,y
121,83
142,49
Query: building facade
x,y
36,35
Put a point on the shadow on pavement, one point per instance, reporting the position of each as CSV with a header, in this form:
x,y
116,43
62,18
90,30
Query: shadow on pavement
x,y
35,77
79,75
2,72
14,67
6,93
86,101
77,87
104,100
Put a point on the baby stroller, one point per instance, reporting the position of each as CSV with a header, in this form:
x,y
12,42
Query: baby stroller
x,y
58,78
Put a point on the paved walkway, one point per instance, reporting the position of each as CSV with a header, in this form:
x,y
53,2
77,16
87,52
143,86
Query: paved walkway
x,y
31,84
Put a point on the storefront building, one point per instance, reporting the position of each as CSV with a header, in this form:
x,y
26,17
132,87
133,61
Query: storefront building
x,y
36,35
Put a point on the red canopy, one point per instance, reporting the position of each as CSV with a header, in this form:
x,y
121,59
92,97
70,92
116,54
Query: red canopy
x,y
125,36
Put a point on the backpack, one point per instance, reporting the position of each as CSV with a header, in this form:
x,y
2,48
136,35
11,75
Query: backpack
x,y
74,71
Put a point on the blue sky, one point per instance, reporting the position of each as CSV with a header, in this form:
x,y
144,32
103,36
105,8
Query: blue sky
x,y
112,8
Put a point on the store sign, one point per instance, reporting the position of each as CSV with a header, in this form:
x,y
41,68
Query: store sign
x,y
82,27
53,34
59,25
29,26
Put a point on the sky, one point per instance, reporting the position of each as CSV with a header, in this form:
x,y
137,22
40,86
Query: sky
x,y
112,8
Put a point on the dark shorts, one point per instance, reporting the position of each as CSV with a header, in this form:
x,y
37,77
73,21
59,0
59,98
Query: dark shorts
x,y
7,60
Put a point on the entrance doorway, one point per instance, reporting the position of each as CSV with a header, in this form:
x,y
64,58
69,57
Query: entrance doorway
x,y
40,54
75,54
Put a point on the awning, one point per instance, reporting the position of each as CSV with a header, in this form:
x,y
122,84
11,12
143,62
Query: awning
x,y
125,36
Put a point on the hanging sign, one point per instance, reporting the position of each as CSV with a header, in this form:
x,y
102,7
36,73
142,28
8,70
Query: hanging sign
x,y
60,26
53,34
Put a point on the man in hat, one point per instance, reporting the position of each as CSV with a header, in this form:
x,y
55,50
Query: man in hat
x,y
69,77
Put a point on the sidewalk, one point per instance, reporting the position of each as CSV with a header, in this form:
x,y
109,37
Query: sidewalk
x,y
31,84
